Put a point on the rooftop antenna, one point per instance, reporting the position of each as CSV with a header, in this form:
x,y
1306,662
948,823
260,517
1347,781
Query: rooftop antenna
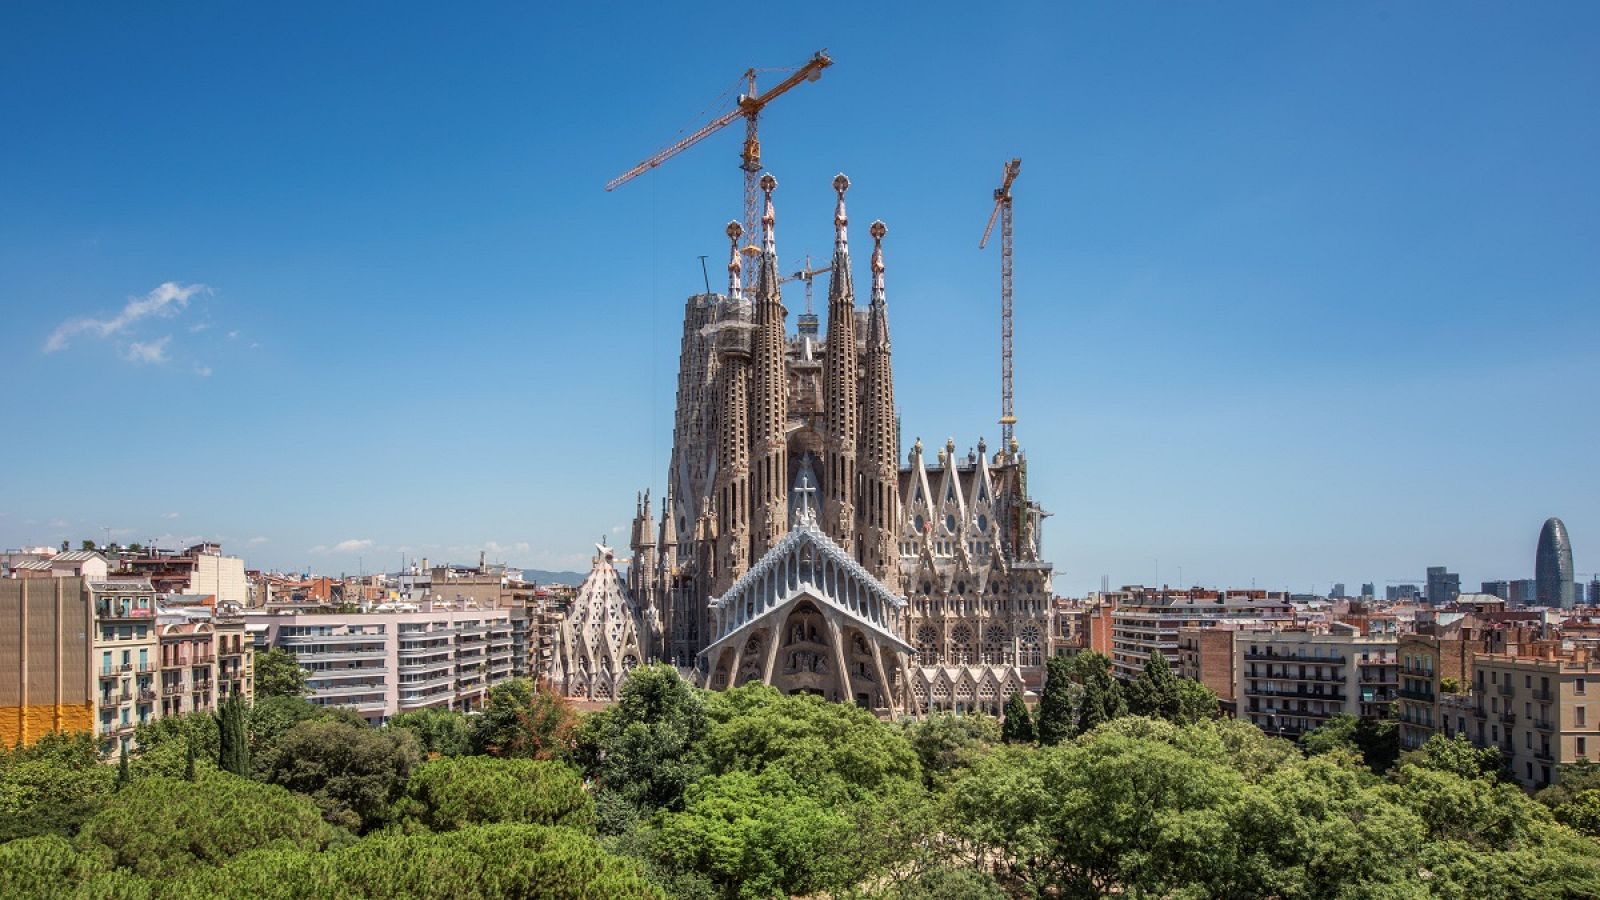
x,y
703,273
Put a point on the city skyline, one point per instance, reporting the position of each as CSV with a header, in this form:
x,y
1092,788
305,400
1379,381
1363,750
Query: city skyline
x,y
1240,321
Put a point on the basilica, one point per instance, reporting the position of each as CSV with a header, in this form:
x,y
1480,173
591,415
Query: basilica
x,y
799,543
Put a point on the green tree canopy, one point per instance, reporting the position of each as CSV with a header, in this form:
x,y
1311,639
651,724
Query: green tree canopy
x,y
51,786
524,720
648,748
355,775
946,743
278,674
835,749
456,792
1017,728
159,827
1057,706
439,732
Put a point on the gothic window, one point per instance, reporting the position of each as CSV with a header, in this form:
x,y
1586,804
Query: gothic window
x,y
950,523
941,694
983,523
1031,655
921,523
961,637
927,645
629,662
996,646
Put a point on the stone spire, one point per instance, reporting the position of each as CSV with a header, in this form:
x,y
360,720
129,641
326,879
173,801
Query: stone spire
x,y
840,381
735,264
730,519
769,409
880,497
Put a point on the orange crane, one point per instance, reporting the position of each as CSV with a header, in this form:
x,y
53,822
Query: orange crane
x,y
748,105
1002,209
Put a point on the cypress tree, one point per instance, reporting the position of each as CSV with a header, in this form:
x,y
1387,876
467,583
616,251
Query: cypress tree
x,y
122,768
233,752
1017,728
1102,694
1155,692
1055,706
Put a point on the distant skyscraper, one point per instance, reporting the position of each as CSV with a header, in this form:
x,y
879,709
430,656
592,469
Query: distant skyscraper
x,y
1501,589
1443,587
1396,593
1552,569
1338,591
1368,590
1523,592
1594,591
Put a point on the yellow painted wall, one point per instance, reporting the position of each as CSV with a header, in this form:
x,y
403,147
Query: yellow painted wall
x,y
29,723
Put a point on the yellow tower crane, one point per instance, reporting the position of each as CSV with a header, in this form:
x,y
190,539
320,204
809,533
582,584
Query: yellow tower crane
x,y
748,105
1002,209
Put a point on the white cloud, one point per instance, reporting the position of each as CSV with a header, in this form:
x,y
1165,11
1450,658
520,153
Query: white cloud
x,y
198,327
168,299
232,335
256,541
618,529
495,548
203,371
148,351
171,515
350,546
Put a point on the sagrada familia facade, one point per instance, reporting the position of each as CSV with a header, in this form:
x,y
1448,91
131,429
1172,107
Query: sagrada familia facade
x,y
795,545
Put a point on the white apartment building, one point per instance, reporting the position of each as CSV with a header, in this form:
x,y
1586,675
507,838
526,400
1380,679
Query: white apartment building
x,y
1290,682
385,663
1145,620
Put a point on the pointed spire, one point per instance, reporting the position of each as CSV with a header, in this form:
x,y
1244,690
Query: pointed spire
x,y
877,230
769,219
841,222
735,264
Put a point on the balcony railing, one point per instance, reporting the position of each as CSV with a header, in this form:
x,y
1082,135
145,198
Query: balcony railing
x,y
1419,696
1545,725
147,696
1289,658
1543,695
1269,692
1543,753
1506,689
1508,717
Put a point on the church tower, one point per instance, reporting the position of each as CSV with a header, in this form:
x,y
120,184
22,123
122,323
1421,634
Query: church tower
x,y
880,485
839,387
730,522
769,400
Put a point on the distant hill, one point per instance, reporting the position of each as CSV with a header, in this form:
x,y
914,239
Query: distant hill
x,y
542,576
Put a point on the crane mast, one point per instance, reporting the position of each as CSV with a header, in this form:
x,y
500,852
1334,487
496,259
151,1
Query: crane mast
x,y
749,106
1002,209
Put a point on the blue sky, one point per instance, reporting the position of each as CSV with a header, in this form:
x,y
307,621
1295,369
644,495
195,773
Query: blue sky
x,y
1305,292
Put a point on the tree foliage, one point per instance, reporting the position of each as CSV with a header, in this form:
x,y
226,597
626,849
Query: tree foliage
x,y
1017,728
453,793
1376,741
439,732
51,786
646,750
278,674
524,720
158,827
233,738
1057,707
946,743
354,774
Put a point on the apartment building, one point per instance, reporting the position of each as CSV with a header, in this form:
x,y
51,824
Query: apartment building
x,y
385,663
46,683
125,649
1207,656
197,570
1540,707
1146,619
1290,682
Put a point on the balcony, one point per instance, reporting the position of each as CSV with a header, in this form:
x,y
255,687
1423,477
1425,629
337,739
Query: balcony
x,y
1508,717
1543,695
1543,753
1300,660
310,656
147,696
1264,692
172,689
1506,689
1545,725
308,640
1419,696
347,690
431,665
1416,671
